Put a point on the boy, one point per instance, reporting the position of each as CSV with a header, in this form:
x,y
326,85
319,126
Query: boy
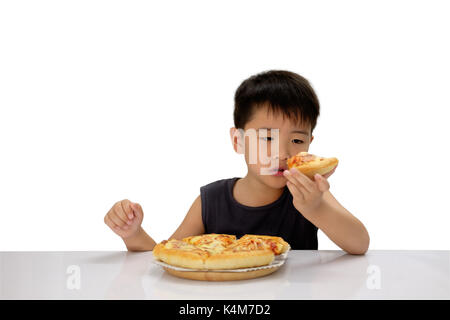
x,y
281,109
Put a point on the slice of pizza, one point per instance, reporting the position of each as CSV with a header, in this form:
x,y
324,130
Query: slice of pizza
x,y
276,244
181,254
245,253
310,164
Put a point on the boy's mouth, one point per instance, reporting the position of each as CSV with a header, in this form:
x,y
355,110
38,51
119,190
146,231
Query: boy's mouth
x,y
279,172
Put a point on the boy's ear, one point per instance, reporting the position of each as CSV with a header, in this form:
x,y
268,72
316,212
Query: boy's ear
x,y
236,140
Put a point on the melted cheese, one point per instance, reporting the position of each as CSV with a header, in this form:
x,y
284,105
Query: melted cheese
x,y
213,243
273,243
177,244
248,245
213,247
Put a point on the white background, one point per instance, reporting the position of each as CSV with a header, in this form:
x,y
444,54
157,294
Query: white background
x,y
106,100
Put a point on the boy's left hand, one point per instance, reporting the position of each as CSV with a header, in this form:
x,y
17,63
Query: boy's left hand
x,y
307,194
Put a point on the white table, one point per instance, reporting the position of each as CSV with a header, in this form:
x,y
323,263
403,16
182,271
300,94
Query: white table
x,y
305,275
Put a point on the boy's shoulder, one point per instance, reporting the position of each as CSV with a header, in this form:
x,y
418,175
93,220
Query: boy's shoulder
x,y
218,185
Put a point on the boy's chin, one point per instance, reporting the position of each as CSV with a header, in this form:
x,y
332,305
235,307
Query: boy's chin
x,y
275,182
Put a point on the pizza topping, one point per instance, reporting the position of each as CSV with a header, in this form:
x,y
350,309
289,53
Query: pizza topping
x,y
248,245
212,247
276,244
177,244
301,158
306,157
213,243
273,246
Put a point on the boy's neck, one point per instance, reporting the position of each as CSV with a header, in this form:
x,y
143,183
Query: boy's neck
x,y
252,193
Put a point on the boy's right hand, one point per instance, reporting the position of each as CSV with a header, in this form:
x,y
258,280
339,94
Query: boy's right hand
x,y
125,218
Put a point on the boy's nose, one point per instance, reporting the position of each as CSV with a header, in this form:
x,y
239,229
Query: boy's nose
x,y
282,157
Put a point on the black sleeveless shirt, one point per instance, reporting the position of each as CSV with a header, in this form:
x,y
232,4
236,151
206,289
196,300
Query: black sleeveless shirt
x,y
221,213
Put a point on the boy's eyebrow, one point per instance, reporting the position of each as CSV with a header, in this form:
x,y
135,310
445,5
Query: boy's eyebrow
x,y
293,131
300,131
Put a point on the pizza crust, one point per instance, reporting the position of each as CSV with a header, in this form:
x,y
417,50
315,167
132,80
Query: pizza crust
x,y
193,258
242,259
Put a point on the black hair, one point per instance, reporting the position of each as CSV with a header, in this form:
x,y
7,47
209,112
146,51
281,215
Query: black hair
x,y
282,91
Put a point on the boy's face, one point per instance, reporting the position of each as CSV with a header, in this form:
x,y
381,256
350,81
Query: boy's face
x,y
263,155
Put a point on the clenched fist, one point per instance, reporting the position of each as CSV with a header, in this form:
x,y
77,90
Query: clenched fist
x,y
125,218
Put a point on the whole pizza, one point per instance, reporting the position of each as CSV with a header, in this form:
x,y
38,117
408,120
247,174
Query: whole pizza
x,y
220,251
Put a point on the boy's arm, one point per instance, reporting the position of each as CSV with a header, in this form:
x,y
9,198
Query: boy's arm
x,y
192,224
125,219
140,241
344,229
316,203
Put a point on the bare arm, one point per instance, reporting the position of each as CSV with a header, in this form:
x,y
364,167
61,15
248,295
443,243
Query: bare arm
x,y
344,229
192,224
125,219
140,241
316,203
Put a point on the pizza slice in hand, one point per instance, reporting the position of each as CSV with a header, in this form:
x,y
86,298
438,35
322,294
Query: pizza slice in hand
x,y
310,164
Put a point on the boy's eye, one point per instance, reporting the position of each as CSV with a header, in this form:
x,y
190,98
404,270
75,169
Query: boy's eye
x,y
297,141
266,138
